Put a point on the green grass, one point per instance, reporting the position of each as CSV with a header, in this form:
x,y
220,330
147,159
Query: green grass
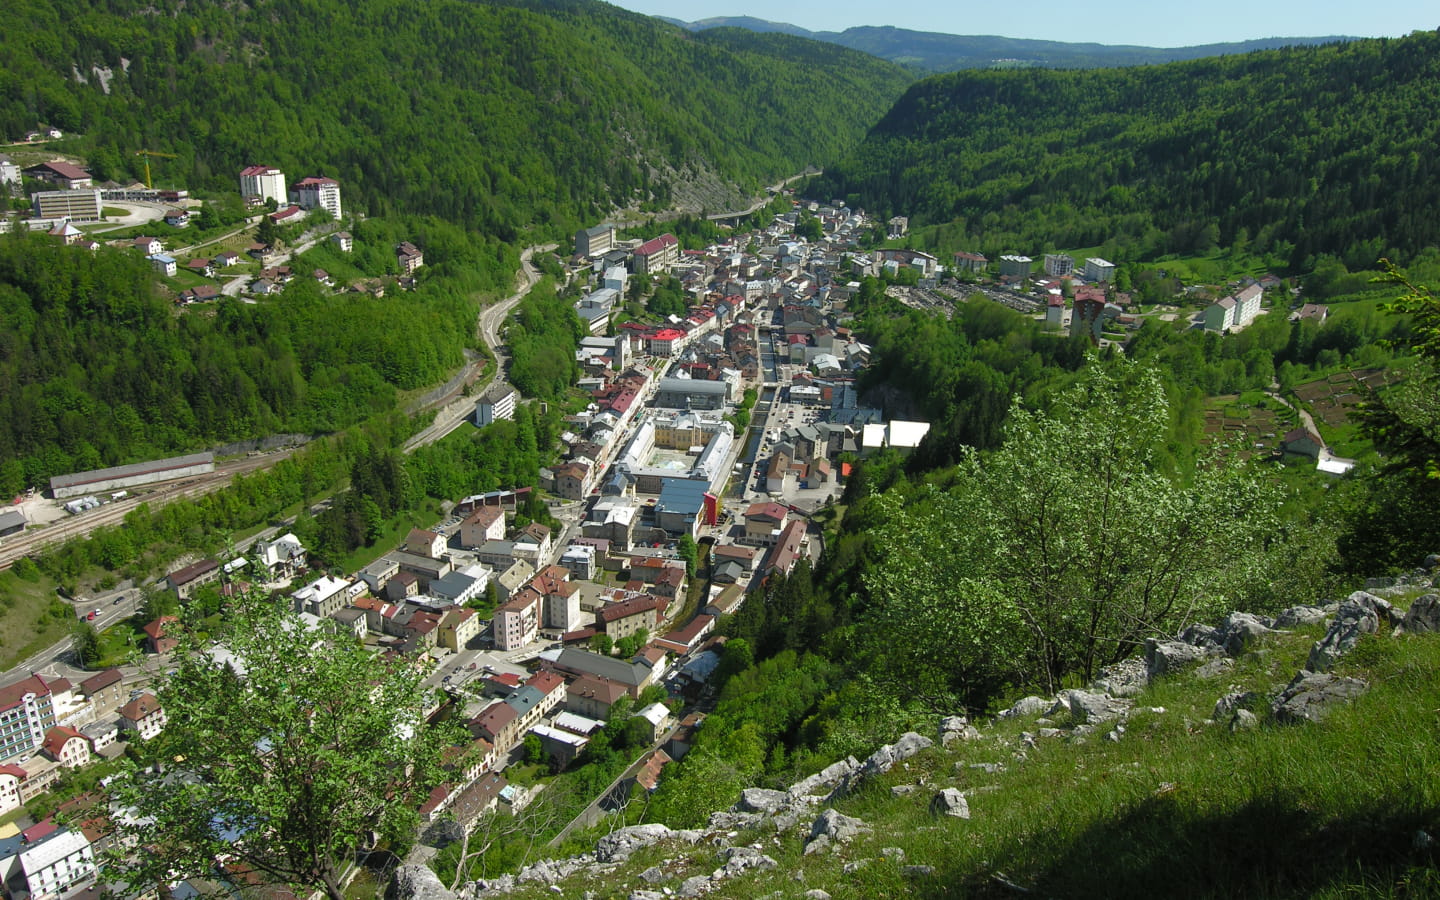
x,y
115,212
32,617
1177,807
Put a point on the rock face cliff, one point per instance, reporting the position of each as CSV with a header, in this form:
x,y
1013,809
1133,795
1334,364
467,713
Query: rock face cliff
x,y
814,830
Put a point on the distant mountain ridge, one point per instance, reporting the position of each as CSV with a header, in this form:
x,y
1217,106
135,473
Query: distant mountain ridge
x,y
930,51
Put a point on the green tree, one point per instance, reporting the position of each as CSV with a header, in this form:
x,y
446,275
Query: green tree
x,y
689,552
85,642
293,754
1063,550
602,643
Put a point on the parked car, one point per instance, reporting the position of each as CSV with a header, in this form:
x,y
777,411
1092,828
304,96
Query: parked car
x,y
93,614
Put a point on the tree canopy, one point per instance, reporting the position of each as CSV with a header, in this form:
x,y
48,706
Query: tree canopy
x,y
285,749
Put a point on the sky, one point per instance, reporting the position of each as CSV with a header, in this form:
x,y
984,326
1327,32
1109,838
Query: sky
x,y
1150,23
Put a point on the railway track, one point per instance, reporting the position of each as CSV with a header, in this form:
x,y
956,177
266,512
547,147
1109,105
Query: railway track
x,y
33,540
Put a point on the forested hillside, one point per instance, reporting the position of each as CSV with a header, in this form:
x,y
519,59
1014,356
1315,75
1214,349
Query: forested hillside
x,y
932,51
1292,153
96,369
498,116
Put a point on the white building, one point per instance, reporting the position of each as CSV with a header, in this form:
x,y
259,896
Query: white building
x,y
498,402
317,191
261,183
1058,265
54,864
1097,269
1013,264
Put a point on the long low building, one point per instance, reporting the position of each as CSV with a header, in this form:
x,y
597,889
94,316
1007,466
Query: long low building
x,y
133,475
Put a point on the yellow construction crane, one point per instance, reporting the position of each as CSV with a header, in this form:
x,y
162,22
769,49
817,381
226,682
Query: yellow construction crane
x,y
147,154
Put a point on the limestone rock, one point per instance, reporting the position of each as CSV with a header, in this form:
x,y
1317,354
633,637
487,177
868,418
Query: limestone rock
x,y
1200,636
895,853
741,859
694,886
918,871
760,800
1025,706
654,875
1087,707
733,821
417,883
1423,615
1125,678
816,894
620,843
1357,616
1309,697
646,895
1240,631
884,759
1226,705
1166,657
1243,720
956,728
825,779
950,802
835,828
1299,616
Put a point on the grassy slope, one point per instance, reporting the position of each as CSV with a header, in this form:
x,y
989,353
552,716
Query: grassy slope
x,y
1177,807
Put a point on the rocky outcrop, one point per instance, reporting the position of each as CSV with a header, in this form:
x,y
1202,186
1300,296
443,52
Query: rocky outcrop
x,y
1302,616
1423,615
417,883
1026,706
956,728
950,802
1311,695
832,829
1359,615
620,843
1167,657
825,780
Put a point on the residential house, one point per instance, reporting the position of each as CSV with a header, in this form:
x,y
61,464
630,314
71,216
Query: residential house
x,y
486,523
184,582
165,265
572,480
150,246
343,241
26,712
144,716
628,617
282,557
177,218
462,585
763,522
498,402
226,259
46,861
786,553
1302,442
1015,266
159,638
517,620
66,746
402,586
458,627
658,720
12,781
970,262
201,267
378,573
593,695
325,596
104,691
656,255
261,183
318,191
409,257
425,543
67,234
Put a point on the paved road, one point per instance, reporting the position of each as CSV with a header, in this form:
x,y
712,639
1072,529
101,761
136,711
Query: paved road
x,y
460,407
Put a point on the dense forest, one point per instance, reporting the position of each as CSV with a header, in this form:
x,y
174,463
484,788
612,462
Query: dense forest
x,y
498,116
97,368
1289,154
